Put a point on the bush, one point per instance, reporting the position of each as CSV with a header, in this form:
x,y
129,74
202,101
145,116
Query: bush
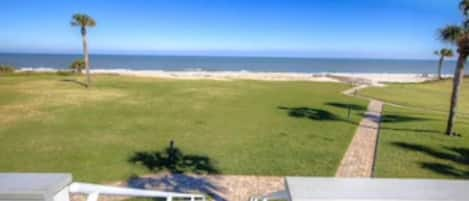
x,y
7,69
78,66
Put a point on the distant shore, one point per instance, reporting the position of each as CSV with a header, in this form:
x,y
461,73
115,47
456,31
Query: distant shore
x,y
356,78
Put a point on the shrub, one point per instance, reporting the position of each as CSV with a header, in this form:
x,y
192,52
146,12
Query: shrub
x,y
7,69
78,66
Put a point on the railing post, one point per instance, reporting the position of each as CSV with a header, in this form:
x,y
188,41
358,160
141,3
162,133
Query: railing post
x,y
169,198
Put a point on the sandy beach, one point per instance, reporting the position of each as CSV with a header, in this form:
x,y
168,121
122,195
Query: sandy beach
x,y
376,79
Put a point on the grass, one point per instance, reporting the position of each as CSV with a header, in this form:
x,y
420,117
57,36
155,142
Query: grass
x,y
431,95
412,141
238,127
413,145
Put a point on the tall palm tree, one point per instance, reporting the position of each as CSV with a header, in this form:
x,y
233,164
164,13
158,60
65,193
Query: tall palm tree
x,y
459,36
84,21
443,53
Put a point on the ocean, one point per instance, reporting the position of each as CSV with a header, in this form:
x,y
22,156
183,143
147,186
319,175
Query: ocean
x,y
215,63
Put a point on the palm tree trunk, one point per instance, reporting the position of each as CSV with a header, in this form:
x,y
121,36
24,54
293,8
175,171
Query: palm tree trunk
x,y
85,56
440,65
457,82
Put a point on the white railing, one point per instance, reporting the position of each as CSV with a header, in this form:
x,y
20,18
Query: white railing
x,y
94,191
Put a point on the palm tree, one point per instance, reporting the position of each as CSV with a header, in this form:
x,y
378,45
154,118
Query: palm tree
x,y
459,36
78,66
83,21
443,53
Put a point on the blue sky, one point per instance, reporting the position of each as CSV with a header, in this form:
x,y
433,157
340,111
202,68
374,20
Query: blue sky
x,y
296,28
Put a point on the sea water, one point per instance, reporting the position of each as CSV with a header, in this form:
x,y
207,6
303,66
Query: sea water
x,y
216,63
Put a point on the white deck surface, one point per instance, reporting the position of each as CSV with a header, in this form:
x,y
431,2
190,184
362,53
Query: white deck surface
x,y
334,189
30,186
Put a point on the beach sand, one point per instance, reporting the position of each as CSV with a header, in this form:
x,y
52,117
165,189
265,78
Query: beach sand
x,y
376,79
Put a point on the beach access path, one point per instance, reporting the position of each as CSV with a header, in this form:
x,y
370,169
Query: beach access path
x,y
360,156
359,159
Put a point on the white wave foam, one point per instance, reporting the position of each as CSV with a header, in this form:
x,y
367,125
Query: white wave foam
x,y
40,69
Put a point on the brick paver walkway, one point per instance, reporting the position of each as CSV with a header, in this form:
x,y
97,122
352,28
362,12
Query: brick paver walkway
x,y
359,158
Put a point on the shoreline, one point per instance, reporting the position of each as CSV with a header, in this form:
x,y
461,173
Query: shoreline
x,y
376,79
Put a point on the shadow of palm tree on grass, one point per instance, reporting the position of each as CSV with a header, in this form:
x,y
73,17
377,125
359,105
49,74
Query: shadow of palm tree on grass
x,y
75,82
444,169
324,115
175,161
391,118
457,155
347,106
414,130
310,113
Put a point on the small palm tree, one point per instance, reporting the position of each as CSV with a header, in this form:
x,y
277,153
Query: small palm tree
x,y
84,21
78,66
443,53
459,36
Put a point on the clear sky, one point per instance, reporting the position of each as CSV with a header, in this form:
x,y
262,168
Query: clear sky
x,y
298,28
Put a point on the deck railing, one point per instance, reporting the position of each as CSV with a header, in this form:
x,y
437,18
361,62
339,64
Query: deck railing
x,y
93,191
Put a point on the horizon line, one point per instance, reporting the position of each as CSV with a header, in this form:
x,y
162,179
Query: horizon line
x,y
226,56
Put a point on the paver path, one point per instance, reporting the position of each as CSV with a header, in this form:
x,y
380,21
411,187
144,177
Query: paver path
x,y
360,156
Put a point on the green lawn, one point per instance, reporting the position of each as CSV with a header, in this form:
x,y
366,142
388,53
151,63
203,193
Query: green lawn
x,y
231,127
412,142
430,95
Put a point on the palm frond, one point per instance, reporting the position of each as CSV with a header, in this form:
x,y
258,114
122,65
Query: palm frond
x,y
83,20
466,24
446,52
451,33
464,6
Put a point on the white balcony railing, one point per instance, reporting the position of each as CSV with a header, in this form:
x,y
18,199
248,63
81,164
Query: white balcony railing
x,y
94,191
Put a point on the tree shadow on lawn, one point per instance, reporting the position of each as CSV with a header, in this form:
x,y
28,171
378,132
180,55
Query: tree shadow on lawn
x,y
444,169
173,160
428,131
347,106
324,115
75,82
310,113
457,155
391,118
394,119
177,163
